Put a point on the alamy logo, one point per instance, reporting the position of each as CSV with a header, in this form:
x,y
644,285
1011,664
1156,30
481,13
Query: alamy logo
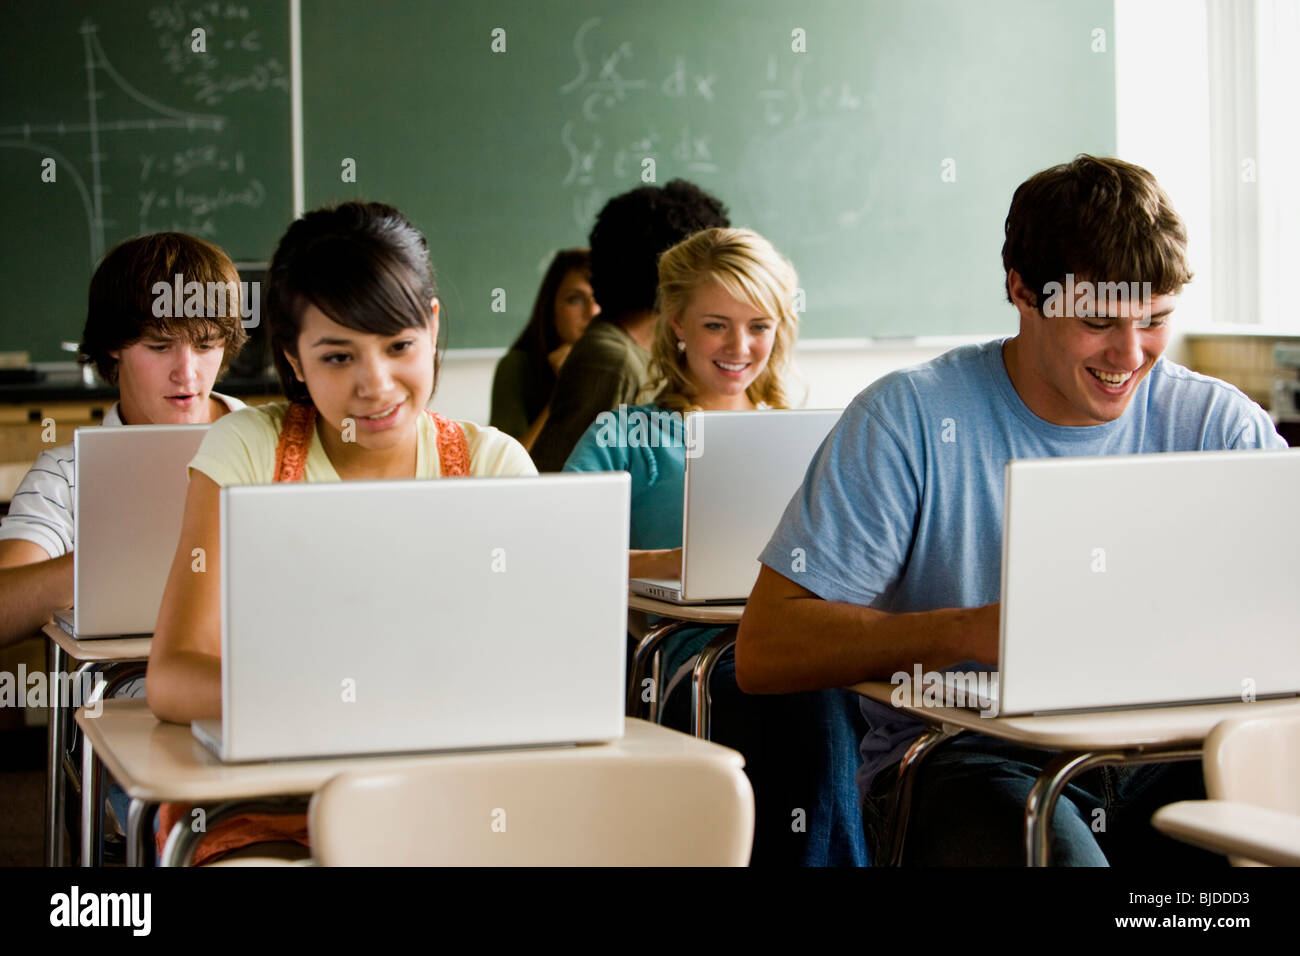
x,y
39,690
945,689
103,909
1087,300
658,428
181,299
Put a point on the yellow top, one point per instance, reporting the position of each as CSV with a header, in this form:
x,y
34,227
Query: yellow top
x,y
239,449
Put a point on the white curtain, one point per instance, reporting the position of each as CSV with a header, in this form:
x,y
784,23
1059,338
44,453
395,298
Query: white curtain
x,y
1254,51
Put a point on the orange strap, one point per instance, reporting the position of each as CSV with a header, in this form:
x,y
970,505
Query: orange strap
x,y
300,420
290,465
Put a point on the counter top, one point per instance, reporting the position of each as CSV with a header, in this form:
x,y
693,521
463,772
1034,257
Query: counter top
x,y
68,387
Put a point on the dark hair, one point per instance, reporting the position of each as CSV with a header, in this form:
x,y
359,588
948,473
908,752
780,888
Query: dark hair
x,y
362,264
633,229
539,337
1101,219
120,308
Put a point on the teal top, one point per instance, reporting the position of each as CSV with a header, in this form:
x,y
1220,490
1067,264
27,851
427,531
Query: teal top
x,y
646,441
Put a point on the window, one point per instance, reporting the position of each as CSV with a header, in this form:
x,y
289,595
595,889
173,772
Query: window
x,y
1254,80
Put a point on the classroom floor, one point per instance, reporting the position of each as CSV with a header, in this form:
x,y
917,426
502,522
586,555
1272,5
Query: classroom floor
x,y
22,795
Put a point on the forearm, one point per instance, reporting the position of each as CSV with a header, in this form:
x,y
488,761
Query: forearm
x,y
30,594
803,644
184,686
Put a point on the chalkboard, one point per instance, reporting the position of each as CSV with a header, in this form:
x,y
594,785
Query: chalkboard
x,y
145,133
876,142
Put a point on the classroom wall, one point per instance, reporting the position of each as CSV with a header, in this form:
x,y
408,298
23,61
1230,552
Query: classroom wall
x,y
831,376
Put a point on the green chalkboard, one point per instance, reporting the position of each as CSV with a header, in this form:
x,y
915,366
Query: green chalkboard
x,y
146,133
876,142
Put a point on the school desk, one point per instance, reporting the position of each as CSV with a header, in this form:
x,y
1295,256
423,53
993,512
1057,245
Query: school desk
x,y
156,762
1085,740
645,659
118,660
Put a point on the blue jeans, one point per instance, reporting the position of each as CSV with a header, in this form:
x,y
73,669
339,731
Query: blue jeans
x,y
801,755
968,809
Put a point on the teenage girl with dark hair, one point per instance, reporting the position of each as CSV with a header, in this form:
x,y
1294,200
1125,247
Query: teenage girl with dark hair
x,y
354,325
525,376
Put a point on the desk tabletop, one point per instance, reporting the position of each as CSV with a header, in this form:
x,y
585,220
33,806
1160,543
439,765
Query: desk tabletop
x,y
1139,728
695,613
99,650
156,761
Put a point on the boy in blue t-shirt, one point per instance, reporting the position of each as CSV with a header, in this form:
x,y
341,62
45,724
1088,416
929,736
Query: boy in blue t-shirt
x,y
897,529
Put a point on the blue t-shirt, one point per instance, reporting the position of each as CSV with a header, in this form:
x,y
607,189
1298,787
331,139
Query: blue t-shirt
x,y
647,442
901,508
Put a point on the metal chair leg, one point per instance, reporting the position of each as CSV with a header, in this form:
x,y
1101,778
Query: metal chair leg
x,y
1058,772
56,736
92,807
701,675
646,650
138,815
908,768
183,840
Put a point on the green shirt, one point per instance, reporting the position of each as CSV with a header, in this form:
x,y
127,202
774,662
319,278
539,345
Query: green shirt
x,y
519,393
604,368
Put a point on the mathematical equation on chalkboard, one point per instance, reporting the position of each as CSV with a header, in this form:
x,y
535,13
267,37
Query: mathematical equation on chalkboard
x,y
604,90
232,59
166,192
167,159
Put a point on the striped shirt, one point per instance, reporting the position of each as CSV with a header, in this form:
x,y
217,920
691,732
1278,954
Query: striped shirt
x,y
42,509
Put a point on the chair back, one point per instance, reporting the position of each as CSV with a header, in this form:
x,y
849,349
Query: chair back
x,y
550,808
1255,760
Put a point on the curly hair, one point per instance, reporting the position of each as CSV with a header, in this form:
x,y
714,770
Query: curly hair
x,y
630,233
749,270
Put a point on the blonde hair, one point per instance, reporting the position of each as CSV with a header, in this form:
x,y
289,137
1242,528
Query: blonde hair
x,y
749,270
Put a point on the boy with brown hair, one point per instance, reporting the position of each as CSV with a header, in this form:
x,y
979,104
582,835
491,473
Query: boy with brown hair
x,y
890,554
164,363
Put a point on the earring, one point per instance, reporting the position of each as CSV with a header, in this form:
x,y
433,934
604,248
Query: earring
x,y
681,345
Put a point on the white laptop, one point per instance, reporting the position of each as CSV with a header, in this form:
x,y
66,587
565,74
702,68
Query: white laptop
x,y
396,616
129,489
741,470
1144,580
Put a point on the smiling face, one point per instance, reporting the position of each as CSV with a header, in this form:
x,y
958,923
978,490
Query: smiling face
x,y
165,381
1081,370
379,382
728,343
575,306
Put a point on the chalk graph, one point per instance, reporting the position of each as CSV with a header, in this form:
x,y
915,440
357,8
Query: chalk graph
x,y
162,117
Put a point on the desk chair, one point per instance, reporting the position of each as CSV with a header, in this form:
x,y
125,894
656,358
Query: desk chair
x,y
545,809
833,821
646,659
118,661
1252,779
